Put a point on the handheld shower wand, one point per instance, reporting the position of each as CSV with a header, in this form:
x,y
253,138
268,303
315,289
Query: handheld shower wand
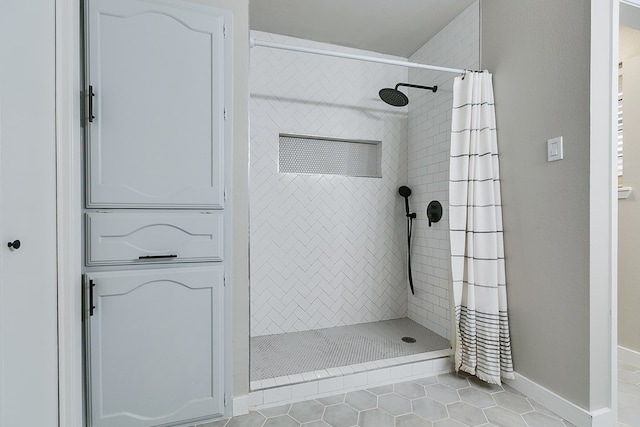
x,y
405,192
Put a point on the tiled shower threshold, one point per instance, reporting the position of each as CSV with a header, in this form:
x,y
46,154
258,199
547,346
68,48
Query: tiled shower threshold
x,y
346,358
326,382
348,369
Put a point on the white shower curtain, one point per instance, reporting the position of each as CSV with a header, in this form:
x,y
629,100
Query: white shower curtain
x,y
483,346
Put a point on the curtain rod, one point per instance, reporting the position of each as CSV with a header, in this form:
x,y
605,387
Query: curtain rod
x,y
254,42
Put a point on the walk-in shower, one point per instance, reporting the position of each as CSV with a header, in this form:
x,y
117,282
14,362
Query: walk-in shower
x,y
331,273
331,286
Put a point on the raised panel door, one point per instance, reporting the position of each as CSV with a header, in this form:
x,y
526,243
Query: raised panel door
x,y
155,346
156,72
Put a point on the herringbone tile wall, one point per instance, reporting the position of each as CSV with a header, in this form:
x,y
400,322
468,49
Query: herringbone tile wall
x,y
325,250
456,46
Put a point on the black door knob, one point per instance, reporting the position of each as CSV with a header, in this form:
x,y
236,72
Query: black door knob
x,y
15,244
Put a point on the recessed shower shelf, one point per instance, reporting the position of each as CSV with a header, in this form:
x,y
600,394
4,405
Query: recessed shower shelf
x,y
319,155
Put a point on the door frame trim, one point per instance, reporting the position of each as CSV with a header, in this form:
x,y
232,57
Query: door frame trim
x,y
603,213
68,211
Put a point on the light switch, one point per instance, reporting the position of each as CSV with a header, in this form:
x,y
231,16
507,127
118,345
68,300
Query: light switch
x,y
554,149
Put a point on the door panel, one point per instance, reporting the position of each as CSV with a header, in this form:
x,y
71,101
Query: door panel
x,y
156,346
157,76
28,321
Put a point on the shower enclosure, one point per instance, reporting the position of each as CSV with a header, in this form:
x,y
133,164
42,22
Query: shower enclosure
x,y
329,289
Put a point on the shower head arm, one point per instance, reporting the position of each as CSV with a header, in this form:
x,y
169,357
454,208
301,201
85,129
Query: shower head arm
x,y
431,88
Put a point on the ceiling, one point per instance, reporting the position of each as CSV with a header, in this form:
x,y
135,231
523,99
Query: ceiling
x,y
395,27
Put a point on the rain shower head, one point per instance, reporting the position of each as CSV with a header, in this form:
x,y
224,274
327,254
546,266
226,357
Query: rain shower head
x,y
393,97
396,98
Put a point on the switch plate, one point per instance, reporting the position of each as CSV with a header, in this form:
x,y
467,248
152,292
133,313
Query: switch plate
x,y
554,149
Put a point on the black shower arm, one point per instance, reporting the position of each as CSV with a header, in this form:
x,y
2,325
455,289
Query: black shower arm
x,y
432,88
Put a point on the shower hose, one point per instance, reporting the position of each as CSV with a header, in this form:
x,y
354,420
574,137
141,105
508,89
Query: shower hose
x,y
409,233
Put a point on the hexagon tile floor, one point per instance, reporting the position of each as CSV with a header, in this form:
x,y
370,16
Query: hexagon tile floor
x,y
628,395
444,401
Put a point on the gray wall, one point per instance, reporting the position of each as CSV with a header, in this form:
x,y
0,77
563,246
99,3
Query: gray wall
x,y
629,210
540,61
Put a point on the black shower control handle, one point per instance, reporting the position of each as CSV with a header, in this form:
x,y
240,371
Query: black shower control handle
x,y
14,245
434,211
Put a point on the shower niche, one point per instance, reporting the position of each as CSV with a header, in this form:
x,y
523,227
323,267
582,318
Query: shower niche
x,y
303,154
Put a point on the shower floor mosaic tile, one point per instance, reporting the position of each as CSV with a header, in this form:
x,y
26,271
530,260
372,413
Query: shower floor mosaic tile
x,y
298,352
448,400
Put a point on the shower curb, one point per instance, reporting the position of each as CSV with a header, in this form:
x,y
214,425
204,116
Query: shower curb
x,y
398,369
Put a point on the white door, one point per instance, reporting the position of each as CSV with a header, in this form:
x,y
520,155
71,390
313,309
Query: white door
x,y
156,346
28,323
157,74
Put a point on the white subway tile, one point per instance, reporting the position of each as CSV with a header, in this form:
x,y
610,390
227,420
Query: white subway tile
x,y
400,372
268,383
355,380
255,398
277,394
379,375
442,364
422,368
296,378
282,380
330,384
304,389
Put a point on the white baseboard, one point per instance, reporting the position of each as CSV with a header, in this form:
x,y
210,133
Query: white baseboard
x,y
240,405
628,356
561,406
